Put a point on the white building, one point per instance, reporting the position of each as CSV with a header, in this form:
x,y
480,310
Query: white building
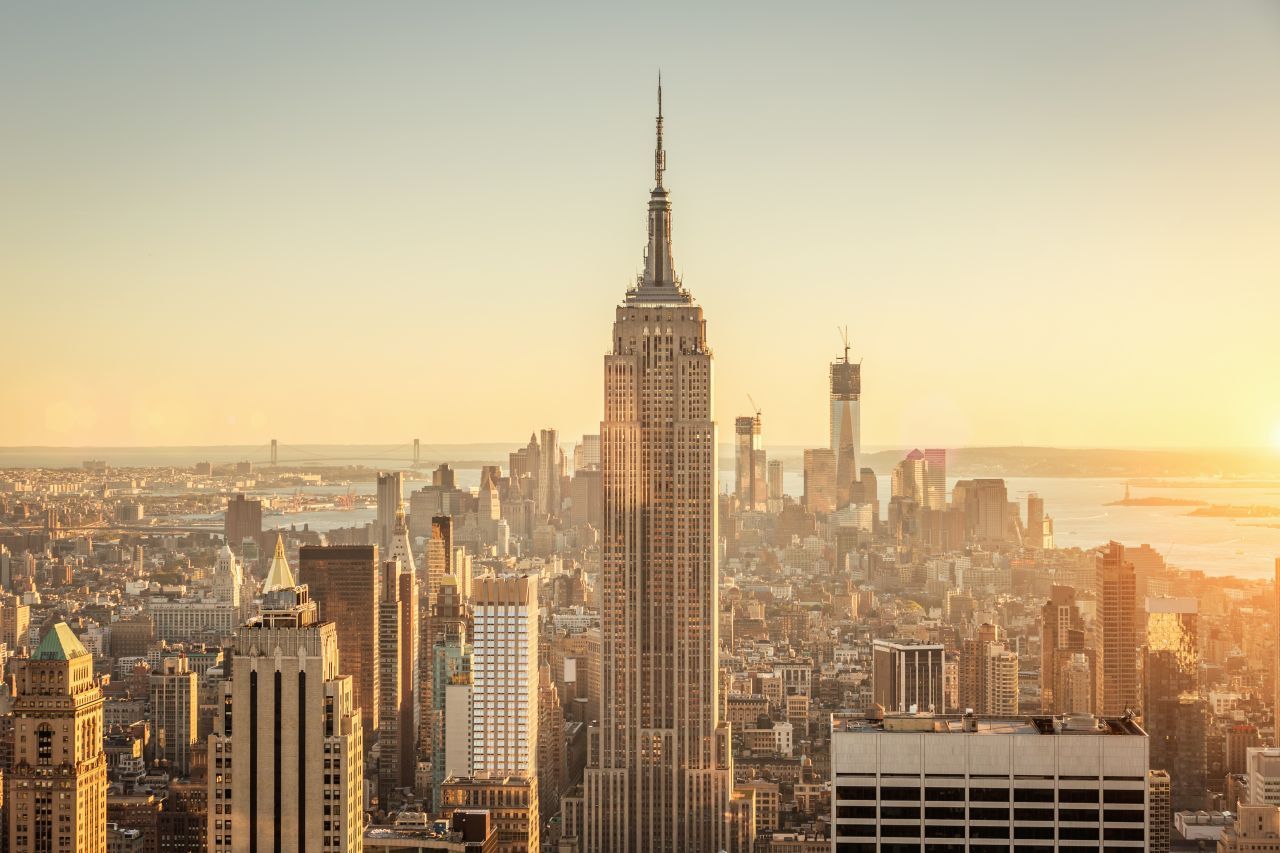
x,y
984,783
504,672
1263,768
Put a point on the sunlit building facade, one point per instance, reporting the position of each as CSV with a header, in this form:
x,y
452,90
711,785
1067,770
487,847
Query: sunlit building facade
x,y
660,772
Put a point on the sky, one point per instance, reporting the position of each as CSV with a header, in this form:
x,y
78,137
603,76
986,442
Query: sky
x,y
1043,224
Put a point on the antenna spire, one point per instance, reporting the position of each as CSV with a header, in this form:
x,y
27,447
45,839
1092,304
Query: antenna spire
x,y
659,153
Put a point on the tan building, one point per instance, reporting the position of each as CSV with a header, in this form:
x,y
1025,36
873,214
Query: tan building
x,y
398,675
56,791
660,768
511,801
175,706
988,673
344,581
15,622
286,757
1256,830
1117,635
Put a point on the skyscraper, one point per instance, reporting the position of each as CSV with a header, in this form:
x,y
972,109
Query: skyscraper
x,y
1172,711
1035,521
845,414
1062,638
175,703
398,676
1117,633
988,673
660,769
550,467
343,580
286,757
504,670
504,711
56,791
935,478
749,464
449,682
390,499
819,480
243,521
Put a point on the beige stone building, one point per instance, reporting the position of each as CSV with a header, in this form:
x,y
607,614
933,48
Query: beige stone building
x,y
56,793
660,769
286,759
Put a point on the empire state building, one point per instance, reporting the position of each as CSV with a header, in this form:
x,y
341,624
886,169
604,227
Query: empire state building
x,y
660,769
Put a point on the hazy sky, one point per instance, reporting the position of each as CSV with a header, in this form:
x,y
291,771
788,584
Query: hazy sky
x,y
1042,223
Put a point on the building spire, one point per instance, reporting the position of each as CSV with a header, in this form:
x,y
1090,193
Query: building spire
x,y
659,153
659,281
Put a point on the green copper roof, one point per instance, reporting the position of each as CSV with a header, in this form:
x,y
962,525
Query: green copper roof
x,y
60,644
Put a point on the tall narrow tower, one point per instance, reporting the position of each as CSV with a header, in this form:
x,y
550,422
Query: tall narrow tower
x,y
846,417
659,763
56,790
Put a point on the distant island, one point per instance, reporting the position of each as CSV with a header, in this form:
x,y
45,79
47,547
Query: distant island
x,y
1156,501
1228,511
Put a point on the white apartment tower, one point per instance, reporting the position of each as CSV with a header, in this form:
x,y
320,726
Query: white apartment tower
x,y
659,768
504,676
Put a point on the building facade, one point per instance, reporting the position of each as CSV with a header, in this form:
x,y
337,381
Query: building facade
x,y
344,580
660,768
286,757
983,784
56,790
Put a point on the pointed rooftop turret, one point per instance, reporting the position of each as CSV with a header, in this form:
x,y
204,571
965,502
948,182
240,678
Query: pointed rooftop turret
x,y
60,643
279,576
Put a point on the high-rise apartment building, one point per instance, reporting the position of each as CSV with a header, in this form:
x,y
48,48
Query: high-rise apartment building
x,y
390,502
56,789
286,757
344,581
1062,638
660,767
175,706
988,673
1173,713
504,677
1116,633
504,709
907,676
243,521
749,464
968,782
398,689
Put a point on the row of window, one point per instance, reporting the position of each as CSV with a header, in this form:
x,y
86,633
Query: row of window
x,y
992,795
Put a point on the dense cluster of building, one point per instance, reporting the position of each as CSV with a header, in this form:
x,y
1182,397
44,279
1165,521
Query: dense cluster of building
x,y
598,649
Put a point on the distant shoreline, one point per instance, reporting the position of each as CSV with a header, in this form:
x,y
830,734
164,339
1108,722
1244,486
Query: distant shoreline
x,y
1222,468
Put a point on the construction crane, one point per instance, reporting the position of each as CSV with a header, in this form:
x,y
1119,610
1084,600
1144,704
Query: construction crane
x,y
754,407
844,338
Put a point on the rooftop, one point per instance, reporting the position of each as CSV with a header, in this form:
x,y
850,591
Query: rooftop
x,y
1067,724
60,644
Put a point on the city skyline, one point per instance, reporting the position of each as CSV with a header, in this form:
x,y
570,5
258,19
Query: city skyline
x,y
428,204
